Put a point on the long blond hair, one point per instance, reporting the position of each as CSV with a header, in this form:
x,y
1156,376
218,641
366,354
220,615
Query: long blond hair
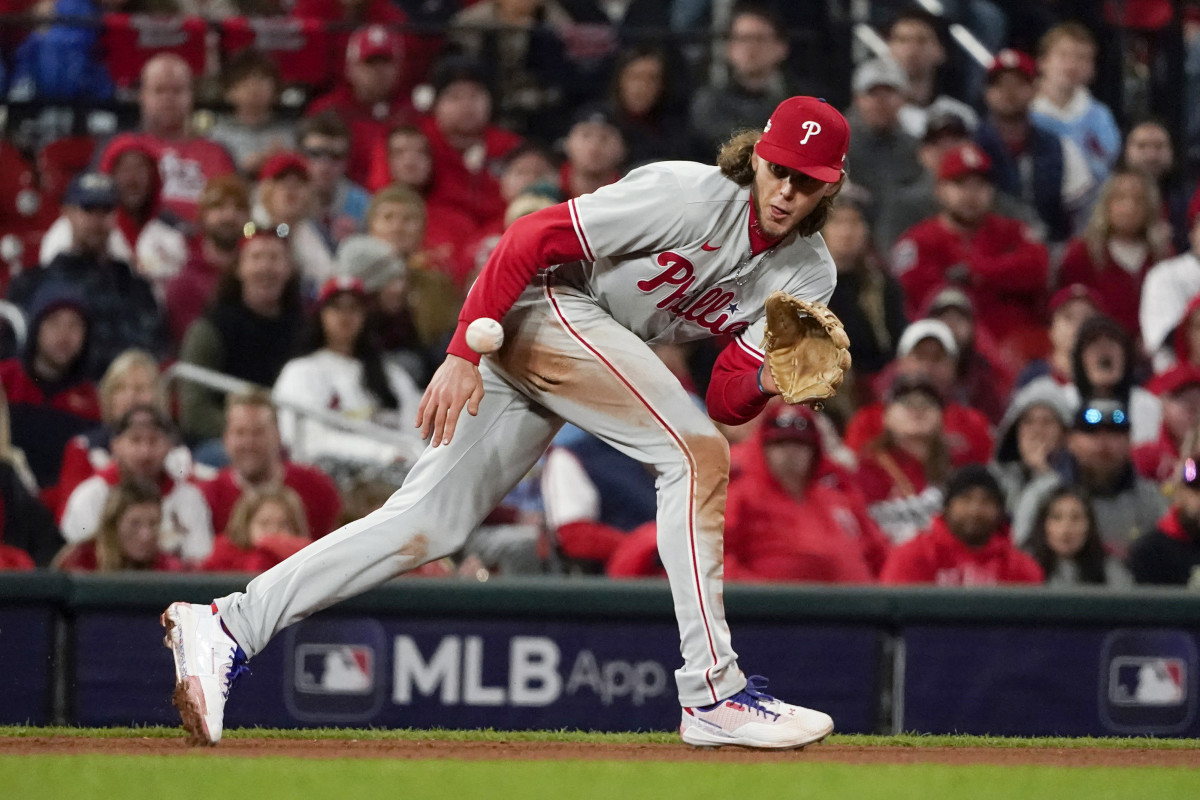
x,y
122,497
1099,226
118,371
734,160
238,529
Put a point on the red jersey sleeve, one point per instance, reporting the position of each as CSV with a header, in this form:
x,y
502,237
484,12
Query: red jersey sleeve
x,y
734,395
908,563
533,242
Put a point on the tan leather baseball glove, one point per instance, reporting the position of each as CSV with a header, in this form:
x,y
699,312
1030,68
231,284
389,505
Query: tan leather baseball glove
x,y
807,349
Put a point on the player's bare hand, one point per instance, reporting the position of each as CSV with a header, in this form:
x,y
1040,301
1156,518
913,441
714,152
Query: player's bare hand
x,y
767,380
457,383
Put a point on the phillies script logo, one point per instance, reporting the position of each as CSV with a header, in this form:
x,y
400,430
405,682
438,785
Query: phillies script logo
x,y
707,310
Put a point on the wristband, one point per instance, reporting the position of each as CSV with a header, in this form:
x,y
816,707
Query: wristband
x,y
759,378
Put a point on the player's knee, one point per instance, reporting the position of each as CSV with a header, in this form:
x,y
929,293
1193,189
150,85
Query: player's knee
x,y
709,451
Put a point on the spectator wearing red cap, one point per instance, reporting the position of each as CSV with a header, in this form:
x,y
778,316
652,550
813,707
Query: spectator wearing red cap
x,y
1069,308
1124,238
1167,292
927,349
467,148
224,210
370,101
185,162
285,201
901,468
417,51
967,544
342,371
1179,390
1028,161
783,522
993,259
882,157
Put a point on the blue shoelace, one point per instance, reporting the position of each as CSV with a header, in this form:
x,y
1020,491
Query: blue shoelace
x,y
237,669
751,697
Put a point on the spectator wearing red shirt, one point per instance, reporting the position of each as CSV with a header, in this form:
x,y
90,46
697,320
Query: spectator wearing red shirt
x,y
1179,390
1124,238
127,536
50,398
265,527
927,349
967,544
369,101
185,162
994,259
467,149
256,461
902,468
418,51
224,210
783,522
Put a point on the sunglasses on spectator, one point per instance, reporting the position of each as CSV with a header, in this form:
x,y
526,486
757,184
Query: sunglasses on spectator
x,y
252,230
331,153
793,422
1093,418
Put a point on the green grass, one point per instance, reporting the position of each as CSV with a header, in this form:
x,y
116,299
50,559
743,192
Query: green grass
x,y
380,734
199,777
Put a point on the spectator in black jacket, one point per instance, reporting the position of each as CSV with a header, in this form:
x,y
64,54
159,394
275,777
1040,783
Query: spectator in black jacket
x,y
1170,554
49,396
124,313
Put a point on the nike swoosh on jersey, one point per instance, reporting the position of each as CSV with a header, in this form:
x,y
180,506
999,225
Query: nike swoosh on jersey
x,y
709,248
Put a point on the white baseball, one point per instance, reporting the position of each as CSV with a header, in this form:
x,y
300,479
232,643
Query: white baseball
x,y
485,335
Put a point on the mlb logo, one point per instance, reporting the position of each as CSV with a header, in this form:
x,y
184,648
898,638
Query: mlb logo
x,y
1143,681
338,669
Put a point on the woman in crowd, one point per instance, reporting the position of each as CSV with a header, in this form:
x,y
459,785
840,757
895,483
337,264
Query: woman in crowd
x,y
902,470
1124,237
126,537
265,527
248,332
131,380
343,371
1034,426
640,95
1066,543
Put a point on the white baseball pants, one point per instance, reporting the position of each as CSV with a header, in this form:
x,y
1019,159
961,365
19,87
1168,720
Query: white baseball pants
x,y
564,358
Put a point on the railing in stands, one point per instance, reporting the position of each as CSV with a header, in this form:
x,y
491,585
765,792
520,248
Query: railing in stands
x,y
220,382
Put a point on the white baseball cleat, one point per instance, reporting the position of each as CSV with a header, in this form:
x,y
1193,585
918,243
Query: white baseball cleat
x,y
753,719
207,663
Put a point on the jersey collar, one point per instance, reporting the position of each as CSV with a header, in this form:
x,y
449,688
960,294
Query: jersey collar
x,y
759,241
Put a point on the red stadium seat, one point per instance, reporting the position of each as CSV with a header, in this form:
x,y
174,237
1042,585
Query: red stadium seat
x,y
299,47
130,40
60,161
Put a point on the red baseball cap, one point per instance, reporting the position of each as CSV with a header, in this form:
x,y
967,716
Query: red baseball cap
x,y
809,135
339,285
1075,291
966,159
1010,60
786,423
1174,379
282,163
374,41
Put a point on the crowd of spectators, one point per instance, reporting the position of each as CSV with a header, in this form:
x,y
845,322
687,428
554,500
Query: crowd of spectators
x,y
1017,264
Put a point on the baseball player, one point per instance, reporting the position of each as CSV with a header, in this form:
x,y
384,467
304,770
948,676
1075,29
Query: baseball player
x,y
673,252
